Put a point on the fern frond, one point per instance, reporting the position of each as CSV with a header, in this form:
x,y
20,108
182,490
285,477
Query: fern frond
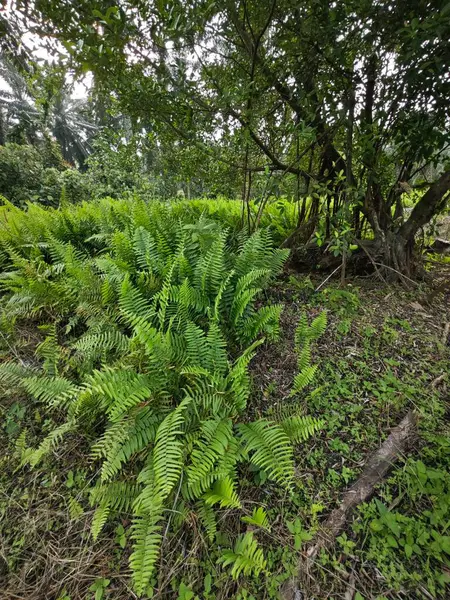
x,y
217,361
50,351
303,379
197,351
258,518
75,509
209,270
118,495
120,390
147,539
13,373
223,493
52,391
265,321
52,440
299,428
99,519
270,449
207,516
214,438
302,331
318,326
309,333
132,304
137,435
222,295
304,357
103,341
238,378
246,557
168,452
145,249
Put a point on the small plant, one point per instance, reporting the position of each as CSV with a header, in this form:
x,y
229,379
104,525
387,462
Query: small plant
x,y
304,335
300,535
185,593
258,518
345,302
99,587
121,538
13,418
409,548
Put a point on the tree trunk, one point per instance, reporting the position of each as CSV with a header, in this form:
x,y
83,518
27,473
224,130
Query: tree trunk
x,y
431,204
2,129
395,248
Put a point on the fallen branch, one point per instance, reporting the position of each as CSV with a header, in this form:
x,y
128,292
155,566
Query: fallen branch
x,y
329,277
376,469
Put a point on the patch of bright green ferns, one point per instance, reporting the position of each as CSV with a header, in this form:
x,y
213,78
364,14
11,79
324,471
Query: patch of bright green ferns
x,y
150,311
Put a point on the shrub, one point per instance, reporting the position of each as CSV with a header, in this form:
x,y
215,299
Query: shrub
x,y
31,174
21,170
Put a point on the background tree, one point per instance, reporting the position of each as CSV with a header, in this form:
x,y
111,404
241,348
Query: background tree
x,y
347,102
40,105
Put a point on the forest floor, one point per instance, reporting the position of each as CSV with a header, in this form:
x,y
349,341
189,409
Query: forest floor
x,y
385,351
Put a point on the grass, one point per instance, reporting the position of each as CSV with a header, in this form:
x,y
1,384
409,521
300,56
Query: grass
x,y
383,353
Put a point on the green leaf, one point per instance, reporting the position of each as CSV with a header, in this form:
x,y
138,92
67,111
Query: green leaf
x,y
391,541
376,525
207,583
258,518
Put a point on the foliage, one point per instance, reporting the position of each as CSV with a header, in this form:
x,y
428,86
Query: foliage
x,y
27,174
410,548
146,314
36,104
303,100
246,557
304,335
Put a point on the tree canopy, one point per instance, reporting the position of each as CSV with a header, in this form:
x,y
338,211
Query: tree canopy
x,y
345,101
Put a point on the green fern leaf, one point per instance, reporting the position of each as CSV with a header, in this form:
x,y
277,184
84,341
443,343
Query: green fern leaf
x,y
52,440
299,428
212,445
270,449
207,516
303,379
246,558
168,452
147,539
223,493
99,519
257,518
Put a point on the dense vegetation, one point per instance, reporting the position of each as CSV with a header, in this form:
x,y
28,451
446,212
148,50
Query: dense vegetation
x,y
220,293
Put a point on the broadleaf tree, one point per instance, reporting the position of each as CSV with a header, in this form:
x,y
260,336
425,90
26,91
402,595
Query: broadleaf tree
x,y
344,103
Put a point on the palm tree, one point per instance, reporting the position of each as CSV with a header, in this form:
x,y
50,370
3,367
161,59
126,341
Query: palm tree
x,y
69,125
20,116
27,121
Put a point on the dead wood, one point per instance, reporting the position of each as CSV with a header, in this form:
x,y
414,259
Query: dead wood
x,y
377,467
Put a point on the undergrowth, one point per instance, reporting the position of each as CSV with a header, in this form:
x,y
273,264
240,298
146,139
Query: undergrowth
x,y
158,406
149,326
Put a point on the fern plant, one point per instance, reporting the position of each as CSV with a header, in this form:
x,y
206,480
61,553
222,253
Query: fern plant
x,y
246,557
304,335
151,324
